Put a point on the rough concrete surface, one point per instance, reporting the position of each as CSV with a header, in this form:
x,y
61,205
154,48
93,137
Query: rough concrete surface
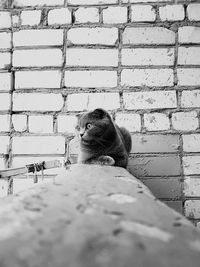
x,y
94,216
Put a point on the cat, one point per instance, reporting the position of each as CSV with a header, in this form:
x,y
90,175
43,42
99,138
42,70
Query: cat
x,y
101,140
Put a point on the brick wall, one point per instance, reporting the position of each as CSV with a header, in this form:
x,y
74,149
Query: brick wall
x,y
140,59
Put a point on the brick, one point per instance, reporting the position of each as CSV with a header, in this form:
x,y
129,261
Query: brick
x,y
15,20
190,99
37,58
38,145
30,17
5,81
192,209
155,166
150,100
89,101
172,13
176,205
19,122
5,40
5,101
148,35
141,1
91,57
164,188
142,13
185,121
189,35
40,124
59,16
148,56
155,143
101,36
91,2
131,122
5,61
37,102
189,56
191,143
91,78
37,79
4,123
87,15
36,3
5,19
191,165
191,187
38,37
156,122
190,76
4,144
115,15
147,77
193,12
66,123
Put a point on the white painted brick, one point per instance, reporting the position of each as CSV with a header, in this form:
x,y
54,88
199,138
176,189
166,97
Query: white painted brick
x,y
91,78
5,81
38,145
172,12
156,122
185,121
38,37
5,40
147,77
115,15
192,209
141,1
193,11
91,57
189,76
37,102
5,19
189,55
150,100
148,35
37,79
190,99
4,144
19,122
89,101
92,2
142,13
5,60
191,143
148,56
86,15
5,101
37,58
15,20
59,16
131,122
191,165
191,187
40,124
66,123
102,36
189,34
4,123
30,17
35,3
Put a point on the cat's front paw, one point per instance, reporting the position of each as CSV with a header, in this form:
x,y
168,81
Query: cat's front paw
x,y
106,160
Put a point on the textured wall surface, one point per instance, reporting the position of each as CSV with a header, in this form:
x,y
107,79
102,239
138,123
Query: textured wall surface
x,y
140,59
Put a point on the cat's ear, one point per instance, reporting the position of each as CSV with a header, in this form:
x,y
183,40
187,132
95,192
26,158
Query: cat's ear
x,y
99,113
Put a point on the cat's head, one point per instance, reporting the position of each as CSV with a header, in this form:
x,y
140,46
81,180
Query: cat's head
x,y
94,128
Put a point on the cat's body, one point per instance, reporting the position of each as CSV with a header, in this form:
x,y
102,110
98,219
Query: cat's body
x,y
101,140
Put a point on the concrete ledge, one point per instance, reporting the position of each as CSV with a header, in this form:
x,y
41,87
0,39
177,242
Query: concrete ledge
x,y
94,216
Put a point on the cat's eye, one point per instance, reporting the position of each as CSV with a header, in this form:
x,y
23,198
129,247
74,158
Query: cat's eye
x,y
88,125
